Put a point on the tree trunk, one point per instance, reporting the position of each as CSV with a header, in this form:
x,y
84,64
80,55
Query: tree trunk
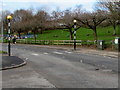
x,y
40,30
27,32
71,34
95,35
35,36
19,34
114,26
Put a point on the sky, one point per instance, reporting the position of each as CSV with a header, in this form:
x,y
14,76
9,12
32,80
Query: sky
x,y
48,5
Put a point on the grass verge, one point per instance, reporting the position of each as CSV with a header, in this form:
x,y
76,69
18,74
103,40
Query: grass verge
x,y
3,52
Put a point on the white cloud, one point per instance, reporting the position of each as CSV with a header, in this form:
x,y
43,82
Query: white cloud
x,y
2,4
46,1
48,5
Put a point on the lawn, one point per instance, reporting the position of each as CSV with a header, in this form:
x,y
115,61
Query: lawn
x,y
3,52
104,33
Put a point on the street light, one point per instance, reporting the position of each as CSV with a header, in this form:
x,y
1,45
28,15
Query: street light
x,y
75,21
9,18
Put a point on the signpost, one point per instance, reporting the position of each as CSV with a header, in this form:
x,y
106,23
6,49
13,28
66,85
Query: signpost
x,y
9,18
117,43
75,34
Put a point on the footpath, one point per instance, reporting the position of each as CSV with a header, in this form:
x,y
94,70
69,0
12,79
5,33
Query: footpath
x,y
9,62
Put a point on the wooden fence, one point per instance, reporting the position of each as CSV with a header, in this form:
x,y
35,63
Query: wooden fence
x,y
107,44
56,42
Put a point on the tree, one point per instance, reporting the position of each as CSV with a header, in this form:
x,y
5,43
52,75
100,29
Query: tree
x,y
67,22
21,19
38,22
92,20
34,24
112,8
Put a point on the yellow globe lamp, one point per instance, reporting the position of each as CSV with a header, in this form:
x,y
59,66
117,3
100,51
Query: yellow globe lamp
x,y
9,17
74,21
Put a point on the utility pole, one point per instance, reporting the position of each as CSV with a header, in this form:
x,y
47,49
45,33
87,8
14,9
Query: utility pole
x,y
9,18
75,34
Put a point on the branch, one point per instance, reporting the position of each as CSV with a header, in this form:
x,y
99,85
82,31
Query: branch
x,y
78,28
100,21
90,26
94,21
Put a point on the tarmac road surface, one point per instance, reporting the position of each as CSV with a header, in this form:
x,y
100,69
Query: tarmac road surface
x,y
61,69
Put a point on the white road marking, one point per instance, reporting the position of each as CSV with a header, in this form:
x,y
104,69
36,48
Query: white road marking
x,y
107,70
35,54
81,61
26,58
57,52
45,53
68,52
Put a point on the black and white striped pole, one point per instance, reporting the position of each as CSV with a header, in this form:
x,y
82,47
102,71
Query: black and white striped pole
x,y
9,18
75,34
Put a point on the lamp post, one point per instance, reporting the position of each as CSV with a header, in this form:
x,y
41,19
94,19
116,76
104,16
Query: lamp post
x,y
75,34
9,18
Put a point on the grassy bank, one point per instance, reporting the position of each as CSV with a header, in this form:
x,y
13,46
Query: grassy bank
x,y
104,33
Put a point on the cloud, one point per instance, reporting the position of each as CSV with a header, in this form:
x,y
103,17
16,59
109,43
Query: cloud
x,y
48,5
46,1
2,4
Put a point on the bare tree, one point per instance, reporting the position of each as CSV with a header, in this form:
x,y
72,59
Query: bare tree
x,y
64,20
113,9
56,14
92,20
21,19
38,22
67,22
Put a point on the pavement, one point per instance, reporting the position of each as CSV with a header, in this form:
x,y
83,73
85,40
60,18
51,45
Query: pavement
x,y
112,54
9,62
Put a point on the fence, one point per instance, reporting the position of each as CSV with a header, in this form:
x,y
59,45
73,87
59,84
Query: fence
x,y
56,42
107,44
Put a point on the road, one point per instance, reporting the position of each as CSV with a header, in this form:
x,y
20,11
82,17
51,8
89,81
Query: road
x,y
61,69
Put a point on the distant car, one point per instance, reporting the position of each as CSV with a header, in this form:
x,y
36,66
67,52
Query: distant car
x,y
26,36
